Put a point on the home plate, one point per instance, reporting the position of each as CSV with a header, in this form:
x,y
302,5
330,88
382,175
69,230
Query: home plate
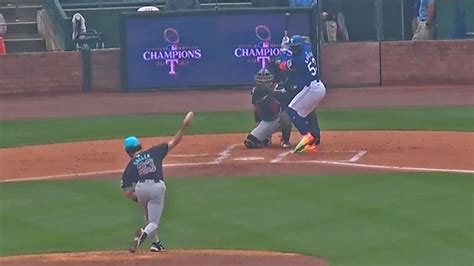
x,y
249,158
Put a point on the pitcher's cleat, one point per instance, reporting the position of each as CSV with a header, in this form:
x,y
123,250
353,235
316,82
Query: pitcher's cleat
x,y
307,139
311,148
157,247
140,236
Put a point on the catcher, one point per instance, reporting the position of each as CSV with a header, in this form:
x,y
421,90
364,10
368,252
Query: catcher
x,y
269,101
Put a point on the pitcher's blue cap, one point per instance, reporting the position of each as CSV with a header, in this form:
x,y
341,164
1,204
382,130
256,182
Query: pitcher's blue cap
x,y
131,142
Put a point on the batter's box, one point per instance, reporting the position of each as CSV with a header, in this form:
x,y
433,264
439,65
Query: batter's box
x,y
241,154
324,155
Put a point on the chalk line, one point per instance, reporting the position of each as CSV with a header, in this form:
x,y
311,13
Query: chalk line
x,y
224,154
94,173
280,157
188,155
387,167
357,157
249,158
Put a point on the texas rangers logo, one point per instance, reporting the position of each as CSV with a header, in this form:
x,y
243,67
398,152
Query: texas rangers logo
x,y
261,52
173,54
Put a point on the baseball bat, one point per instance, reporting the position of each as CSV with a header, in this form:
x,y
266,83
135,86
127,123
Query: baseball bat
x,y
287,23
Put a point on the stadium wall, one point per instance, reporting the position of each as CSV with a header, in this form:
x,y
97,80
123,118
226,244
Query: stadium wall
x,y
342,65
427,62
40,73
350,64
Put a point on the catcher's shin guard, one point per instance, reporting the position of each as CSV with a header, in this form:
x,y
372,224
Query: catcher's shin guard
x,y
252,142
286,127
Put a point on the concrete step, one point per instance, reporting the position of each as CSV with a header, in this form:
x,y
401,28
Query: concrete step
x,y
23,13
21,43
21,2
22,28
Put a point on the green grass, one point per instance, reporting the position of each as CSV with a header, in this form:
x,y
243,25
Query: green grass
x,y
29,132
380,219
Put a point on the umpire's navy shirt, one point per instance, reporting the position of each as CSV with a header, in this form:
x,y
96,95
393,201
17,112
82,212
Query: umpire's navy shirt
x,y
144,165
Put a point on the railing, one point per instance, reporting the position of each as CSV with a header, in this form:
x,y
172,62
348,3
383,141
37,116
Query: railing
x,y
17,4
60,21
366,20
159,3
105,4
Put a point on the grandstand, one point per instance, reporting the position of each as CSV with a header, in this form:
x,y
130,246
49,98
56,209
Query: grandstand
x,y
22,34
45,25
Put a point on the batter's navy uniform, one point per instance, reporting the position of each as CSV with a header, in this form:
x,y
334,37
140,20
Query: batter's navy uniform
x,y
145,170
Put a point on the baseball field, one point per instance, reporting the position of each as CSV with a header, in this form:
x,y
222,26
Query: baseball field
x,y
388,186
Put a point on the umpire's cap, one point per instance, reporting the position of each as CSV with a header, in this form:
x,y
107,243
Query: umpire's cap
x,y
131,142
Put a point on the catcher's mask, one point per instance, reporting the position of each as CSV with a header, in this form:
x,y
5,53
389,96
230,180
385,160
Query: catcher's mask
x,y
264,79
132,145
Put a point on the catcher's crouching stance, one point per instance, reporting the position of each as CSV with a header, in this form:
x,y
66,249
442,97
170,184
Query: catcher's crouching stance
x,y
269,104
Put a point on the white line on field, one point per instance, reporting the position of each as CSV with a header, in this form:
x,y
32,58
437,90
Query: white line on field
x,y
95,173
334,151
339,151
108,172
280,157
224,154
357,157
188,155
386,167
249,158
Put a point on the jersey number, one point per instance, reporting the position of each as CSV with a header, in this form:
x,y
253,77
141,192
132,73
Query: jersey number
x,y
312,67
146,167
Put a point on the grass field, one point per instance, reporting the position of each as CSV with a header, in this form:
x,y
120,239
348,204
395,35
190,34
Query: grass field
x,y
378,219
29,132
384,219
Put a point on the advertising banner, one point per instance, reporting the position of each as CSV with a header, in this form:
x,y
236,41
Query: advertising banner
x,y
204,49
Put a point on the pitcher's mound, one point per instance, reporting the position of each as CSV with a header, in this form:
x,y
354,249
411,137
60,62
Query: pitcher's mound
x,y
168,258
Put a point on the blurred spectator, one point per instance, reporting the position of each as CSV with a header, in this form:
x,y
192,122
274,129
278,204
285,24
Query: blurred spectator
x,y
3,25
425,20
334,22
416,10
78,26
182,4
148,9
303,3
3,32
85,38
270,3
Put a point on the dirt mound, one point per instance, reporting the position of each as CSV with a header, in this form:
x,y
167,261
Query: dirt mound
x,y
168,258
